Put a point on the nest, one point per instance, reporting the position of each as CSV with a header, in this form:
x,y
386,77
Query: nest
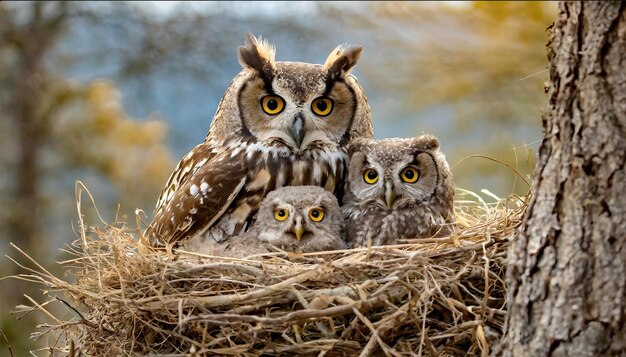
x,y
429,296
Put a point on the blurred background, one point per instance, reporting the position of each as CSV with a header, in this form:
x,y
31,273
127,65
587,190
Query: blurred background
x,y
114,93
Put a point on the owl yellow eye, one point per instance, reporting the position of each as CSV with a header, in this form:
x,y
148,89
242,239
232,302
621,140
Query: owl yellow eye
x,y
322,106
409,175
272,104
370,176
316,214
281,214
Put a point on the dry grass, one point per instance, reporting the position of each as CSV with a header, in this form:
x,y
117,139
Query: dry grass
x,y
430,297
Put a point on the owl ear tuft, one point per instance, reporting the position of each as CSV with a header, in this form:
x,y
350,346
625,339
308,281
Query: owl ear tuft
x,y
429,142
258,55
341,60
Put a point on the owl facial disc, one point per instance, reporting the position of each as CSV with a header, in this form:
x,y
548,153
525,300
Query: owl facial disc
x,y
298,106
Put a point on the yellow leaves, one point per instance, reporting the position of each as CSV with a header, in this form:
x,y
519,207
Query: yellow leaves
x,y
107,117
139,161
476,54
95,132
158,162
104,101
144,134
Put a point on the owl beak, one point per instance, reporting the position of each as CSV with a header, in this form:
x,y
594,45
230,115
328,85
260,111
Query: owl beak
x,y
298,229
390,195
297,129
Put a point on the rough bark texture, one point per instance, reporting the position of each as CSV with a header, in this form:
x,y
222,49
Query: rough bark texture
x,y
567,272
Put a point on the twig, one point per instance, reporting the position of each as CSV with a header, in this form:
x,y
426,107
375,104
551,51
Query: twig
x,y
7,340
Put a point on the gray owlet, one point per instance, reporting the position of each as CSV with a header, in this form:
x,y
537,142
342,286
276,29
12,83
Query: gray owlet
x,y
294,219
278,124
396,189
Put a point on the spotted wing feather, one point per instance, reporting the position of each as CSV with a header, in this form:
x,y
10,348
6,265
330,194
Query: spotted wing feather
x,y
200,190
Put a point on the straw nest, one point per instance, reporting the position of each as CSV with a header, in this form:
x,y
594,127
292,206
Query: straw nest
x,y
435,296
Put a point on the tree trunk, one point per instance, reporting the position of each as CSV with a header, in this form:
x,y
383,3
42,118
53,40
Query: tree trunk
x,y
567,282
31,41
26,222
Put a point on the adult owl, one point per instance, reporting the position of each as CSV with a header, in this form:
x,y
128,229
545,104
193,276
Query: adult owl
x,y
396,189
278,124
294,219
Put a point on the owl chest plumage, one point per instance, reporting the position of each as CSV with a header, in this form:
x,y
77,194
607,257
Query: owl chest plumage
x,y
271,167
369,221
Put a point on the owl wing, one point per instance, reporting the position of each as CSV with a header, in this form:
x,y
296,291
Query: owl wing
x,y
199,191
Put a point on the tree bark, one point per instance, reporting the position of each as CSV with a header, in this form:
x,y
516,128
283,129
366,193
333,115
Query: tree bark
x,y
566,276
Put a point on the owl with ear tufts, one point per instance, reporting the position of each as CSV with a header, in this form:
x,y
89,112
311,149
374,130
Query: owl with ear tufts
x,y
278,124
397,189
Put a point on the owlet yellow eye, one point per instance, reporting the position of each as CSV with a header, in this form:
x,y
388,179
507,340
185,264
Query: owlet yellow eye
x,y
281,214
316,214
272,104
370,176
322,106
409,175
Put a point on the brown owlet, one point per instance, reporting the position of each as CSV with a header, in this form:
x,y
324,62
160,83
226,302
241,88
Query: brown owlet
x,y
294,219
278,124
397,189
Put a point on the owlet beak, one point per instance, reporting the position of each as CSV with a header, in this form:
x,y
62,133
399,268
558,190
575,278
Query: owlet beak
x,y
298,228
390,195
297,129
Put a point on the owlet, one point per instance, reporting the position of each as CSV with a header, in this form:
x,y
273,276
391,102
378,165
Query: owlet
x,y
397,189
